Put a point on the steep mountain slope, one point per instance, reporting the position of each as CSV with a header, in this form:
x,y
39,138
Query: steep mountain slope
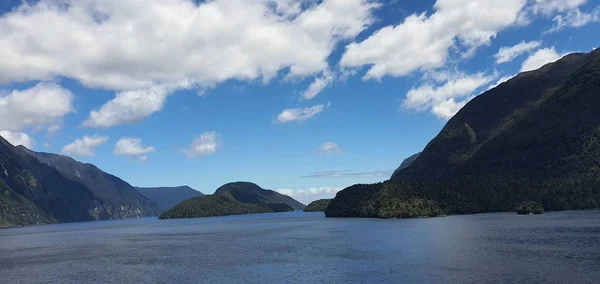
x,y
34,193
234,199
120,199
247,192
167,197
533,138
407,162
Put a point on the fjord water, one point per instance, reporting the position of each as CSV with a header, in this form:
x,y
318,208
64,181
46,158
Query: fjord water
x,y
297,247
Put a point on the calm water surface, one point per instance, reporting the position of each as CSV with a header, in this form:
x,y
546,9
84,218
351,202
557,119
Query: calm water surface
x,y
562,247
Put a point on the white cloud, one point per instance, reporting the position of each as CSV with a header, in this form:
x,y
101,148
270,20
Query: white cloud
x,y
442,99
423,42
129,107
318,85
448,108
17,138
509,53
203,145
330,148
131,45
308,195
549,7
84,146
45,104
299,114
539,59
500,81
574,19
133,148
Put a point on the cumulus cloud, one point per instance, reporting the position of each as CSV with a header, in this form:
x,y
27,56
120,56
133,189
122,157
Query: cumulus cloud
x,y
308,195
131,45
299,114
574,19
550,7
540,58
349,174
129,107
203,145
17,138
330,148
509,53
84,146
320,83
133,148
43,105
423,42
446,99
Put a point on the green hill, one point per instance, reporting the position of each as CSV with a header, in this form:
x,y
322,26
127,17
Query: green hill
x,y
534,138
234,199
317,205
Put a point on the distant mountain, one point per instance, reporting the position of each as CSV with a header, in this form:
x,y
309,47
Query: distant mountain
x,y
317,205
407,162
535,138
167,197
120,199
32,192
234,199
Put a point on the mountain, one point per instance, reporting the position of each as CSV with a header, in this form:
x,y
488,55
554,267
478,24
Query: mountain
x,y
32,192
247,192
234,199
317,205
167,197
535,138
120,199
407,162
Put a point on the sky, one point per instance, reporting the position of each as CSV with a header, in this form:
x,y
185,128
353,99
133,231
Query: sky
x,y
304,97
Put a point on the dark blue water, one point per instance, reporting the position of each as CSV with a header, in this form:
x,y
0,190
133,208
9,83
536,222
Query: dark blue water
x,y
562,247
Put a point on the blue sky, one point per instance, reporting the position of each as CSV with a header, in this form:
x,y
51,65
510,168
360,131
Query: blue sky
x,y
306,97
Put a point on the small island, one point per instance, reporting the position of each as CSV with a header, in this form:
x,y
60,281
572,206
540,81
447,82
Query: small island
x,y
237,198
317,206
529,207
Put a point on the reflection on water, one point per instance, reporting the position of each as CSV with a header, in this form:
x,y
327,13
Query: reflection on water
x,y
297,247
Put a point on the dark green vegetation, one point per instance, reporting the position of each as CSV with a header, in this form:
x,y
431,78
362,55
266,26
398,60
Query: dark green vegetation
x,y
211,206
167,197
407,162
32,192
533,138
317,205
529,207
234,199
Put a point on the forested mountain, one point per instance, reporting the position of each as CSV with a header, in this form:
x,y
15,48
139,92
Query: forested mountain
x,y
167,197
33,192
533,138
234,199
120,199
247,192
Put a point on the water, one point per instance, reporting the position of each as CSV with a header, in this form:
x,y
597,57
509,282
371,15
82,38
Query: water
x,y
561,247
